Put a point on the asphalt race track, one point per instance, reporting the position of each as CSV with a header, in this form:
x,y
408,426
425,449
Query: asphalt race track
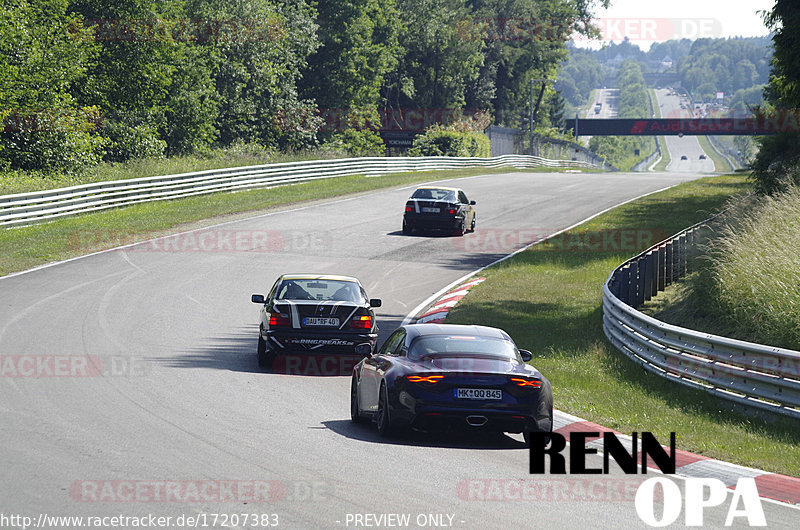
x,y
171,416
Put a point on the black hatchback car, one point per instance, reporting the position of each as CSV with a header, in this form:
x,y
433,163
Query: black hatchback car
x,y
438,208
438,376
312,313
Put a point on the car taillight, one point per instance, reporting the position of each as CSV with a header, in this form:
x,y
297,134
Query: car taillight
x,y
532,383
451,211
278,319
409,208
362,322
424,378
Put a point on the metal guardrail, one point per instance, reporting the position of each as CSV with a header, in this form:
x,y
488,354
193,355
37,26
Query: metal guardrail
x,y
750,374
27,208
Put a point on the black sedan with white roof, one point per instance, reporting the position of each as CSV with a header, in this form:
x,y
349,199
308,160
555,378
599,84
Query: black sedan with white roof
x,y
315,313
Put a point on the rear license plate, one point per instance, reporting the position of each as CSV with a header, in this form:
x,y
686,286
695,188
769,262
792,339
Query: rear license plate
x,y
426,209
320,321
478,393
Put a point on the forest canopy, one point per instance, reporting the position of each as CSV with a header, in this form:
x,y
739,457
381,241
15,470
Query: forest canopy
x,y
91,80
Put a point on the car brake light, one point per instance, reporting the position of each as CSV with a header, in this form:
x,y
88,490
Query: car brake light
x,y
451,211
362,322
409,208
278,319
533,383
424,378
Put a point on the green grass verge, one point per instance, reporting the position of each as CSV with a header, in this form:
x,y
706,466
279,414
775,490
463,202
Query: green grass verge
x,y
720,164
665,158
549,299
26,247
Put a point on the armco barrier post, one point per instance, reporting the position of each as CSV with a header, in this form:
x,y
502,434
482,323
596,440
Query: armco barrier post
x,y
653,255
662,267
682,256
634,279
647,281
623,281
670,261
641,270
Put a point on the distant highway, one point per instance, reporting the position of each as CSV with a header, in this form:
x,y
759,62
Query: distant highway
x,y
687,146
607,98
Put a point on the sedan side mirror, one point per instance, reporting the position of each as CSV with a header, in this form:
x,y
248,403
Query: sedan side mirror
x,y
375,302
472,203
526,355
258,299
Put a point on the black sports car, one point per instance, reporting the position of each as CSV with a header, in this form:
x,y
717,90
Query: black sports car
x,y
436,208
432,376
308,313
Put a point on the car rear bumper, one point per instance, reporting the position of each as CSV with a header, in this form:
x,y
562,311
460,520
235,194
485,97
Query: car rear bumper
x,y
302,341
505,419
432,222
474,420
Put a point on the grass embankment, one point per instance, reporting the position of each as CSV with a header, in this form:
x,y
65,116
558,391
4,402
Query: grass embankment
x,y
720,164
26,247
549,299
746,282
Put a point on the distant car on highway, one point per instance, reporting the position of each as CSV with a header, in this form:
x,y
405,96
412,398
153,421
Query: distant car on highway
x,y
438,208
684,157
702,157
432,377
313,312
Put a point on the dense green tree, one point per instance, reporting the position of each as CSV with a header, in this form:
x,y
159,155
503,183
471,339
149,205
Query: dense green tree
x,y
359,46
43,54
524,40
439,61
262,48
579,75
778,161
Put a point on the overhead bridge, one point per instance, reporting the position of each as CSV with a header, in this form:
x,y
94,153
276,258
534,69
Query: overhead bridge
x,y
751,126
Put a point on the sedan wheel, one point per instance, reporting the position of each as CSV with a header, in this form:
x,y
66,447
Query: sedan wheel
x,y
462,229
265,356
355,414
406,228
385,427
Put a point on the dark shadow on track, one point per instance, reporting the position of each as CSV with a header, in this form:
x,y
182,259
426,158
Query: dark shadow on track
x,y
445,439
438,234
236,352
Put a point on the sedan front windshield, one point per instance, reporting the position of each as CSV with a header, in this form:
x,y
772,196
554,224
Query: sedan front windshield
x,y
320,290
462,346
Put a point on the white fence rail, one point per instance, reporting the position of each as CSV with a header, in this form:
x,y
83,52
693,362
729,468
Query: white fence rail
x,y
27,208
751,374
